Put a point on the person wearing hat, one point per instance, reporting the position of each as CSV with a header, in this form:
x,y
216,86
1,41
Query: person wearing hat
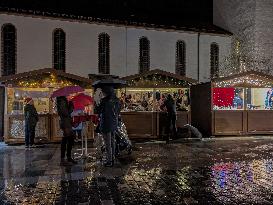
x,y
31,119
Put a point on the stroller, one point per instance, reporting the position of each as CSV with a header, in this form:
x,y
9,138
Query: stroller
x,y
123,143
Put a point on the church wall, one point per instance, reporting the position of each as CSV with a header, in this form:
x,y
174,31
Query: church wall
x,y
34,46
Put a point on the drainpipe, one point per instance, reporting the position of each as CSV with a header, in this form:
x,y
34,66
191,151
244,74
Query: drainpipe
x,y
198,57
126,49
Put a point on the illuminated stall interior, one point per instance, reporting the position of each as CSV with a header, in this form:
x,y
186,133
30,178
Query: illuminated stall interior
x,y
240,104
38,85
142,98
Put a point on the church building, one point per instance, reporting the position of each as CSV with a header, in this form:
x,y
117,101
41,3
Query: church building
x,y
85,45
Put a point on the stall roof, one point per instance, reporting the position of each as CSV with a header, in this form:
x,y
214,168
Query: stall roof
x,y
245,79
158,78
41,73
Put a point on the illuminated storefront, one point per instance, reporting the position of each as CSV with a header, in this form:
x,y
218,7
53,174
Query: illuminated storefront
x,y
38,85
237,105
142,98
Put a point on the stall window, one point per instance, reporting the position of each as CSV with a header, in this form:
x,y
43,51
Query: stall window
x,y
180,96
214,60
137,99
104,54
59,49
180,63
16,96
144,55
8,41
228,98
259,98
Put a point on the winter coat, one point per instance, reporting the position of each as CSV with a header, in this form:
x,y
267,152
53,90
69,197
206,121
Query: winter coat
x,y
31,115
108,111
64,111
170,106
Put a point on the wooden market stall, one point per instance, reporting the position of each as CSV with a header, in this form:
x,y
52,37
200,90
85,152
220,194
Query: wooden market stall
x,y
38,84
241,104
143,97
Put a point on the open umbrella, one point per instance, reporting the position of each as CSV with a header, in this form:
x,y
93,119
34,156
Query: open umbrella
x,y
81,100
115,83
68,90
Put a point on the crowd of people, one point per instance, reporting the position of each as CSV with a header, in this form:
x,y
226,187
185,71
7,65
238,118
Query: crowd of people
x,y
146,101
108,108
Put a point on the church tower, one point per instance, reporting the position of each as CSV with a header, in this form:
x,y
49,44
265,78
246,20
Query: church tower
x,y
251,23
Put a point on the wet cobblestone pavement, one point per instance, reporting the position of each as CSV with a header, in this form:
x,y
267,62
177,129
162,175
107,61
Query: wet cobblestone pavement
x,y
204,172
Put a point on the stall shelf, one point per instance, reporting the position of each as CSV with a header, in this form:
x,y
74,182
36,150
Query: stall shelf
x,y
142,99
240,104
38,84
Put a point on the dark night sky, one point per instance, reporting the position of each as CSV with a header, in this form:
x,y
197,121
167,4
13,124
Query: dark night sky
x,y
168,12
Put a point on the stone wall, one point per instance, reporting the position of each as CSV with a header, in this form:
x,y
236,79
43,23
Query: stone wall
x,y
251,23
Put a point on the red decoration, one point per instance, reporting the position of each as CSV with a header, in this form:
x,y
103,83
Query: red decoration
x,y
83,118
223,97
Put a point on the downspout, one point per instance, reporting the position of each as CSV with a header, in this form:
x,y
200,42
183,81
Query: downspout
x,y
126,49
198,57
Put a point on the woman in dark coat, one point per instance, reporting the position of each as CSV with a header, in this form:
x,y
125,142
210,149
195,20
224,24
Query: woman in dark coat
x,y
65,109
169,104
31,119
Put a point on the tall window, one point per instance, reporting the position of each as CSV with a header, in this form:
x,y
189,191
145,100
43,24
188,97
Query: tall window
x,y
214,60
180,62
144,54
8,41
59,49
104,53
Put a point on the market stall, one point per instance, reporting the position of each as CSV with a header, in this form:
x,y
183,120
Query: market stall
x,y
142,98
39,85
241,104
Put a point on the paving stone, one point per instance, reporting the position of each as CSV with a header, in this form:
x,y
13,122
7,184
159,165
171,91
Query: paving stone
x,y
209,172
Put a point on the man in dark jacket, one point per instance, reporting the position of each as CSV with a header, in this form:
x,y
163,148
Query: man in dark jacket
x,y
108,111
31,119
169,103
65,109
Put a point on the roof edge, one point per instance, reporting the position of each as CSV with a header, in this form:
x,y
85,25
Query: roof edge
x,y
108,21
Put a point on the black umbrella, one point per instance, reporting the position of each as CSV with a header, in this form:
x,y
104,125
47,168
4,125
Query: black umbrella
x,y
115,83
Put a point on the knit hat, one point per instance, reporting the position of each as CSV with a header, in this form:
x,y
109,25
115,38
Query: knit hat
x,y
27,100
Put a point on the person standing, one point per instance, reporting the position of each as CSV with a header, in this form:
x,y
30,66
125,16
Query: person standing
x,y
108,110
169,104
31,119
64,109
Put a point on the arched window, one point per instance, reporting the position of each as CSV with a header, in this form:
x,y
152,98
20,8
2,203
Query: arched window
x,y
180,62
214,60
144,54
104,53
8,41
59,49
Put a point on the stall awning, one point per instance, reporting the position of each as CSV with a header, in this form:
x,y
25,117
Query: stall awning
x,y
158,78
47,77
245,79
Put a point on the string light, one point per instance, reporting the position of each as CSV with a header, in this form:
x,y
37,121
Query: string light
x,y
51,81
248,80
241,61
158,80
